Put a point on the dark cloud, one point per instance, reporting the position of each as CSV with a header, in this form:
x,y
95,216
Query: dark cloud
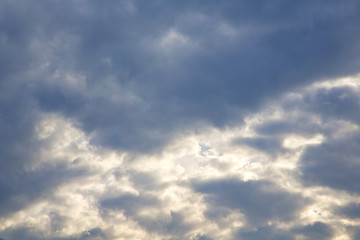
x,y
337,102
260,201
30,186
57,100
302,125
31,234
317,230
210,78
328,103
334,164
201,237
211,83
134,74
177,226
93,234
266,232
129,203
351,210
354,232
21,233
146,181
268,145
57,221
174,224
20,184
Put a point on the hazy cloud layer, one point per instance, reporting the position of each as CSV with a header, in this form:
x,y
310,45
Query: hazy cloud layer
x,y
179,120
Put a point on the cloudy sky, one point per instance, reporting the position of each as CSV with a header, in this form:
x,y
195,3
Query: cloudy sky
x,y
192,119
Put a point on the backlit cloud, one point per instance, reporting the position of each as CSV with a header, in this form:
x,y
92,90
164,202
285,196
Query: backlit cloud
x,y
185,120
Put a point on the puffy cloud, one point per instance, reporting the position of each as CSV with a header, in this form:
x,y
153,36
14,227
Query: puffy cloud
x,y
217,183
187,120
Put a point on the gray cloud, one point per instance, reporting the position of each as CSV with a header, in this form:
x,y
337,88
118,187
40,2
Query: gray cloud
x,y
302,125
205,84
174,224
201,237
337,102
355,232
323,110
351,210
268,145
129,203
133,75
20,185
334,164
21,233
28,233
267,232
317,230
260,201
32,186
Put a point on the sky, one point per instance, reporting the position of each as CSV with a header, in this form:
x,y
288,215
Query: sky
x,y
172,120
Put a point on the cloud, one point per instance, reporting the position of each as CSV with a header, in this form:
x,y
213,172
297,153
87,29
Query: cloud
x,y
260,201
351,210
188,120
27,233
261,143
333,164
318,230
217,183
214,82
266,232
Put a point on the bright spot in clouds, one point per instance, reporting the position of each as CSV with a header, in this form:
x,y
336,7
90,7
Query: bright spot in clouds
x,y
299,141
173,39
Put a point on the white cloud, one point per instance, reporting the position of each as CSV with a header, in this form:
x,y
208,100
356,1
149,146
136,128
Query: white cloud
x,y
173,41
294,141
